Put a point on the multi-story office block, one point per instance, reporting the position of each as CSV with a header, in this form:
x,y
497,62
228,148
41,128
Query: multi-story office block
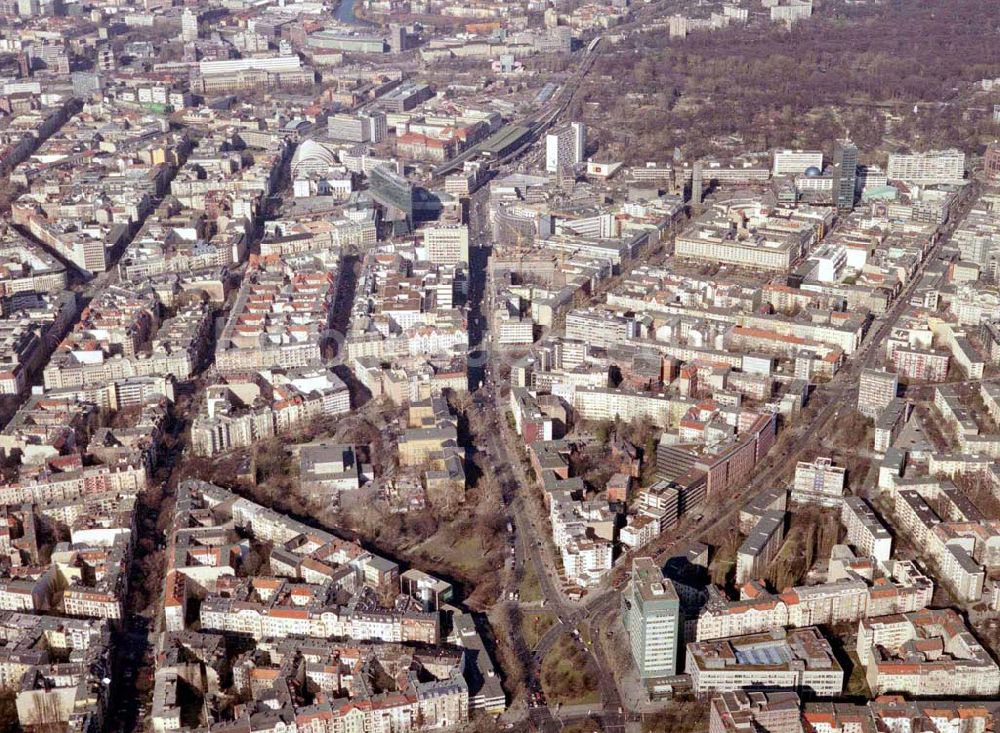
x,y
796,162
367,127
189,26
799,659
447,244
651,610
845,174
392,190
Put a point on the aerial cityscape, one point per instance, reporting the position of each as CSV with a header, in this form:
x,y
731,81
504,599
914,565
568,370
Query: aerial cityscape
x,y
574,366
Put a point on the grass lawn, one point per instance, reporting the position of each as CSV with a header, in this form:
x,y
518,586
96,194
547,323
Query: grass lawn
x,y
566,677
464,552
530,589
580,726
721,566
680,716
534,626
856,683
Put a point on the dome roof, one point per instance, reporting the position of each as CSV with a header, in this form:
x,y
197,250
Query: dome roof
x,y
813,172
312,155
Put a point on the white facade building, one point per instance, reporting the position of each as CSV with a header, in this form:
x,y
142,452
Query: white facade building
x,y
936,166
565,146
447,244
796,162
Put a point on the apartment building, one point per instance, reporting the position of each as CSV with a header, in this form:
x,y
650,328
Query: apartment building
x,y
925,653
565,147
598,327
279,320
854,590
309,558
639,530
126,478
924,169
865,531
949,529
890,423
585,559
819,482
602,403
892,712
760,547
747,712
791,11
57,665
258,621
176,348
443,701
876,389
513,330
274,402
775,499
582,530
530,421
26,267
292,616
921,365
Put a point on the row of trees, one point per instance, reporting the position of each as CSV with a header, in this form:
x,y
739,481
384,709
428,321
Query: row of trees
x,y
811,537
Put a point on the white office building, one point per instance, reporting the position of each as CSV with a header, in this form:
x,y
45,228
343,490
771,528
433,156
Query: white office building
x,y
796,162
189,26
651,614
